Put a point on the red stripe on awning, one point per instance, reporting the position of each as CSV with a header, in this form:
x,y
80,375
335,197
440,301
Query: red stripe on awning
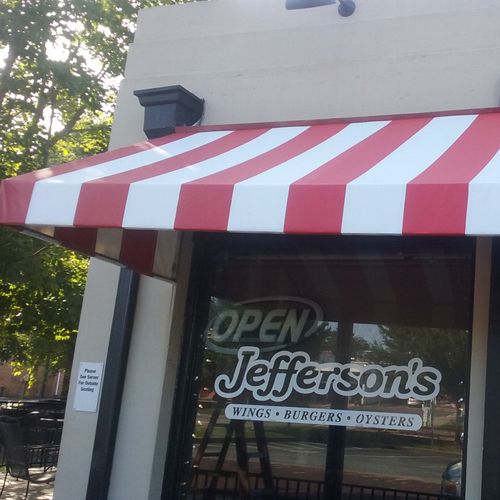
x,y
138,250
434,175
316,202
15,193
436,200
212,195
79,239
102,202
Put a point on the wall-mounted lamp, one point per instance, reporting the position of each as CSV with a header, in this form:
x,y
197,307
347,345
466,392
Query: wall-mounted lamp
x,y
168,107
346,7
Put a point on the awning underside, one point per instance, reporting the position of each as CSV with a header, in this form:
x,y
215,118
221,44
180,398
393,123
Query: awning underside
x,y
405,176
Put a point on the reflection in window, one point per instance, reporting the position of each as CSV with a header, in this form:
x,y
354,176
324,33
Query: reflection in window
x,y
333,360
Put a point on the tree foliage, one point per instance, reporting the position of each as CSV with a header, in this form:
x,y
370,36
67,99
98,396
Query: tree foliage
x,y
41,287
444,349
61,62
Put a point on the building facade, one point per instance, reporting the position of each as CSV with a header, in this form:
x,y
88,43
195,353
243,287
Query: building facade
x,y
360,363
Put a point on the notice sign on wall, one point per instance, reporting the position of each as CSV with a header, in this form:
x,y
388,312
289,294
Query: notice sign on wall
x,y
88,387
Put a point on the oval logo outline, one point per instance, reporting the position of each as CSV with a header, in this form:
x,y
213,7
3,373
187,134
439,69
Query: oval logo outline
x,y
315,307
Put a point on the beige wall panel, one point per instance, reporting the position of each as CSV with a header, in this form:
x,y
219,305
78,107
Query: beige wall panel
x,y
92,345
393,86
143,387
255,61
310,46
479,347
236,16
252,61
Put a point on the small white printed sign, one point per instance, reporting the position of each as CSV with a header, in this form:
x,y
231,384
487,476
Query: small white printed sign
x,y
88,387
324,416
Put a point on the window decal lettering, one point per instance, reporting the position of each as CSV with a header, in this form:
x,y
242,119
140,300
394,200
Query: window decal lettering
x,y
294,372
324,416
272,323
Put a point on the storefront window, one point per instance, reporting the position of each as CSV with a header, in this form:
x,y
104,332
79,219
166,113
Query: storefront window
x,y
331,368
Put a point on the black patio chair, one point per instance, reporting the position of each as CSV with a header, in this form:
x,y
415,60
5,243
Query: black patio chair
x,y
21,459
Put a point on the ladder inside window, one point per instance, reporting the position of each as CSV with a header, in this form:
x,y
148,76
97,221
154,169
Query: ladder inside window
x,y
237,429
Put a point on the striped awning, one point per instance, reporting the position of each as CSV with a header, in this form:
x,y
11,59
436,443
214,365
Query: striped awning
x,y
437,175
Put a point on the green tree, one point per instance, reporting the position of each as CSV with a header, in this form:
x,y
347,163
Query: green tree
x,y
441,348
61,63
41,287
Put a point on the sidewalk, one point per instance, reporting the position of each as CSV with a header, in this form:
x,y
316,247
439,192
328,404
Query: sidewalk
x,y
15,490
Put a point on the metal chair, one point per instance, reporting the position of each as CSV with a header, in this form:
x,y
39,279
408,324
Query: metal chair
x,y
21,458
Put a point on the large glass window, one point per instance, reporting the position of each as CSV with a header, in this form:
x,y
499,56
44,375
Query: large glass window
x,y
331,368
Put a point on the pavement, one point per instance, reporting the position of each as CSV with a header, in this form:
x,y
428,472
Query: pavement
x,y
15,490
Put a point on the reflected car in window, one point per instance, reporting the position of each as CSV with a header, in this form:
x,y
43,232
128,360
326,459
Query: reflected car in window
x,y
451,480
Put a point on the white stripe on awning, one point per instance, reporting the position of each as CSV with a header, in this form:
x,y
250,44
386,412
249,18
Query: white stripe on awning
x,y
55,199
153,202
259,203
374,202
409,176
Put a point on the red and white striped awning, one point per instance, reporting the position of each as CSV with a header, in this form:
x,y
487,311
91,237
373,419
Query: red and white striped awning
x,y
406,176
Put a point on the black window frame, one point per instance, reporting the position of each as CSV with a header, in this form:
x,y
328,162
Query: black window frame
x,y
196,315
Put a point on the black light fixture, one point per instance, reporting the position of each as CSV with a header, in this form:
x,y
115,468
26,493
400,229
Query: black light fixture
x,y
346,7
168,107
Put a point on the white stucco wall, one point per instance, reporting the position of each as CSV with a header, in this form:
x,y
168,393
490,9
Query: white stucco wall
x,y
253,61
92,345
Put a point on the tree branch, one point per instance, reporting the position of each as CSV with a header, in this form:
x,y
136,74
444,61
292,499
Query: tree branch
x,y
68,127
6,72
